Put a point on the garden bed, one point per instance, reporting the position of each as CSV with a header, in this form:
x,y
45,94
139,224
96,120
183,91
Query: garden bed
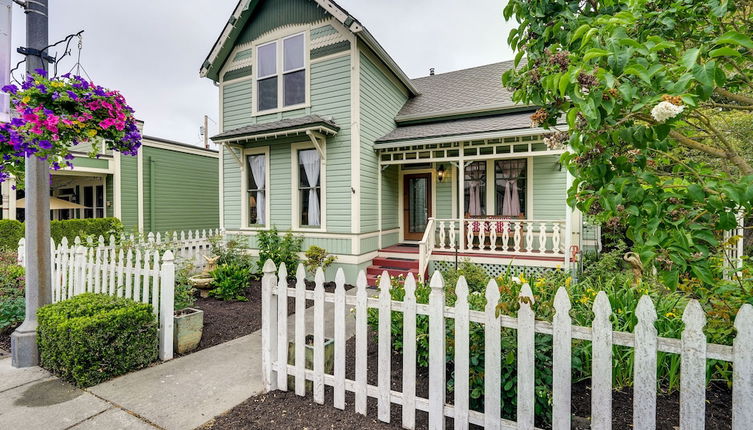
x,y
286,410
4,343
228,320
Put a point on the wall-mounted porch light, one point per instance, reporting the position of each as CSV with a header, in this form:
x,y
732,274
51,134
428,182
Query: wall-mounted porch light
x,y
440,173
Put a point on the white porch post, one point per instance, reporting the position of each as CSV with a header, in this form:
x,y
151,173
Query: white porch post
x,y
379,204
461,196
569,218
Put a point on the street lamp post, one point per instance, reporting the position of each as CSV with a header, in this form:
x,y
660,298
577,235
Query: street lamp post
x,y
38,257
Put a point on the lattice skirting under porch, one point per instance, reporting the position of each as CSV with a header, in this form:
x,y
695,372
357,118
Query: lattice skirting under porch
x,y
494,270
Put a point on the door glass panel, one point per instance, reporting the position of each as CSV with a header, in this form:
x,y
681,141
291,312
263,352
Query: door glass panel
x,y
418,205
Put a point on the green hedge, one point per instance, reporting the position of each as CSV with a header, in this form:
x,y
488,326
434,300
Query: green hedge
x,y
11,231
92,338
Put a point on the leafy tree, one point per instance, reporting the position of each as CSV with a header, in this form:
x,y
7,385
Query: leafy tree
x,y
647,90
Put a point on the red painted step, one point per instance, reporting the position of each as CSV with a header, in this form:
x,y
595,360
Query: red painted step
x,y
403,263
393,271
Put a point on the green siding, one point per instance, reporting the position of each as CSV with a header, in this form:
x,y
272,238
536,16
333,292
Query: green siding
x,y
381,100
444,200
231,189
180,191
549,189
390,239
129,192
270,15
390,196
369,244
330,49
236,105
242,55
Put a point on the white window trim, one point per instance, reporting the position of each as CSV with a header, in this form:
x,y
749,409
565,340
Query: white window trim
x,y
295,212
244,188
280,73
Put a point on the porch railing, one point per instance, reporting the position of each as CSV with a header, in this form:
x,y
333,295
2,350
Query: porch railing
x,y
425,248
501,236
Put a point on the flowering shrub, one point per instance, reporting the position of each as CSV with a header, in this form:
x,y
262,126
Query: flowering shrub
x,y
53,115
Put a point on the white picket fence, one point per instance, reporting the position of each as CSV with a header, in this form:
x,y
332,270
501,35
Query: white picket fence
x,y
692,347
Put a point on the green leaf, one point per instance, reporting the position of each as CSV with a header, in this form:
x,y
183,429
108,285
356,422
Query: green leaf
x,y
579,32
588,36
724,51
689,59
564,82
518,56
735,38
696,192
595,53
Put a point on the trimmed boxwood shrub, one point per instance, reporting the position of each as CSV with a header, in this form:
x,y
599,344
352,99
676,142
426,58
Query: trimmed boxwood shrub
x,y
11,231
91,338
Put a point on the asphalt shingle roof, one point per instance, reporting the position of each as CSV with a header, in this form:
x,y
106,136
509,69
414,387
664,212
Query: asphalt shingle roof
x,y
281,125
504,122
469,89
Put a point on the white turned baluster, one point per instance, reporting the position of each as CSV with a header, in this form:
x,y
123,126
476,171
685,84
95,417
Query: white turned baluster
x,y
529,237
644,366
693,369
505,236
556,238
409,353
482,235
492,358
601,367
441,235
453,231
742,370
493,234
469,235
542,237
562,359
517,236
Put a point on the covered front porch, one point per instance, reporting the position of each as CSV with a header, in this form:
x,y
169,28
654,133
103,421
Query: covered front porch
x,y
498,200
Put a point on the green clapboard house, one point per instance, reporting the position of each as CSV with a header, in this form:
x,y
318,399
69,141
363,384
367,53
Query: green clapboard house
x,y
168,186
324,135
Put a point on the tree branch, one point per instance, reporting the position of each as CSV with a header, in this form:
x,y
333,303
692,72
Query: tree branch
x,y
728,106
732,96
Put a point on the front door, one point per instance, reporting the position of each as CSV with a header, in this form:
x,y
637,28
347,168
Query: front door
x,y
416,204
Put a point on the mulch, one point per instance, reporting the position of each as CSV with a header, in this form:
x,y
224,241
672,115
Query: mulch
x,y
226,320
285,410
5,343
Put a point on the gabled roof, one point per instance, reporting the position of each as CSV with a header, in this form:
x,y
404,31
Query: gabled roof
x,y
285,126
243,12
475,90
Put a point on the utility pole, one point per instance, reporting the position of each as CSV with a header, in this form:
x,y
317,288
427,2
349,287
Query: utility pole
x,y
206,131
38,256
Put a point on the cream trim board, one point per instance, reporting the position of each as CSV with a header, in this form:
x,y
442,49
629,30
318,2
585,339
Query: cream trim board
x,y
177,148
295,211
222,187
278,37
401,196
341,258
244,187
140,190
355,139
117,187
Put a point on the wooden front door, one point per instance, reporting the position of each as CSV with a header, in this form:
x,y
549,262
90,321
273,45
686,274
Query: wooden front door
x,y
416,205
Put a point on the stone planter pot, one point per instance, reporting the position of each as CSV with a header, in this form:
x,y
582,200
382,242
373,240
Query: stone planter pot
x,y
188,327
329,359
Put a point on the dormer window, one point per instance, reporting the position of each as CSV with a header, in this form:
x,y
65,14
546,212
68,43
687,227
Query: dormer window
x,y
281,74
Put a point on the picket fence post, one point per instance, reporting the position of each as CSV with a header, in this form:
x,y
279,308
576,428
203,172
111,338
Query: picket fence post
x,y
319,336
300,331
339,331
361,346
21,252
409,353
167,297
462,330
526,361
492,358
437,378
562,345
282,326
742,370
79,262
644,366
601,367
384,348
269,326
693,368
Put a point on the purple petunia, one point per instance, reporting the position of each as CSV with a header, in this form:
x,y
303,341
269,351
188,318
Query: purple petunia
x,y
45,144
10,89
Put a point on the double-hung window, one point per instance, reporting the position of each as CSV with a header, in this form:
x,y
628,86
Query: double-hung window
x,y
281,74
309,188
511,187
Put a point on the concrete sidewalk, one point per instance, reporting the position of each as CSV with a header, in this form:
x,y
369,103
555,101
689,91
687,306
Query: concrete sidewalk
x,y
180,394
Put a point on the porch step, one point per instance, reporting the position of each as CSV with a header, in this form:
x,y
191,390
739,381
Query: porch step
x,y
403,263
395,266
393,271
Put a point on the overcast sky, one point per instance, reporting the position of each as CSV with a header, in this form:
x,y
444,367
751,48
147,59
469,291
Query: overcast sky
x,y
151,50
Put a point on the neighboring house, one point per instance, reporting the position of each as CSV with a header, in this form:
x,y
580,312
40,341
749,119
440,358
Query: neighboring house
x,y
323,134
168,186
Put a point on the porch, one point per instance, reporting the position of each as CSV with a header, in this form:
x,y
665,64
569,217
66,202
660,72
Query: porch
x,y
498,200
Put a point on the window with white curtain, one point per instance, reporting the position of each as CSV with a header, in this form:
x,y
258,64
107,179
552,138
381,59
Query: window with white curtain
x,y
256,190
281,73
510,187
475,189
309,188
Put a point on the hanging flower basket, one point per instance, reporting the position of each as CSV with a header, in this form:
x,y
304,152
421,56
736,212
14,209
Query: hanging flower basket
x,y
53,115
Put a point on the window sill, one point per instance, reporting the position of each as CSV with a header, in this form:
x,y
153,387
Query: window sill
x,y
258,228
280,110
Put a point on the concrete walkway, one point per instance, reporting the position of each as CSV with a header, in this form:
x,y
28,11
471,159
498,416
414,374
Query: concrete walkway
x,y
180,394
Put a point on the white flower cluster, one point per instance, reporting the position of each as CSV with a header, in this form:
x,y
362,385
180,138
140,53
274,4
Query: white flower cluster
x,y
666,110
